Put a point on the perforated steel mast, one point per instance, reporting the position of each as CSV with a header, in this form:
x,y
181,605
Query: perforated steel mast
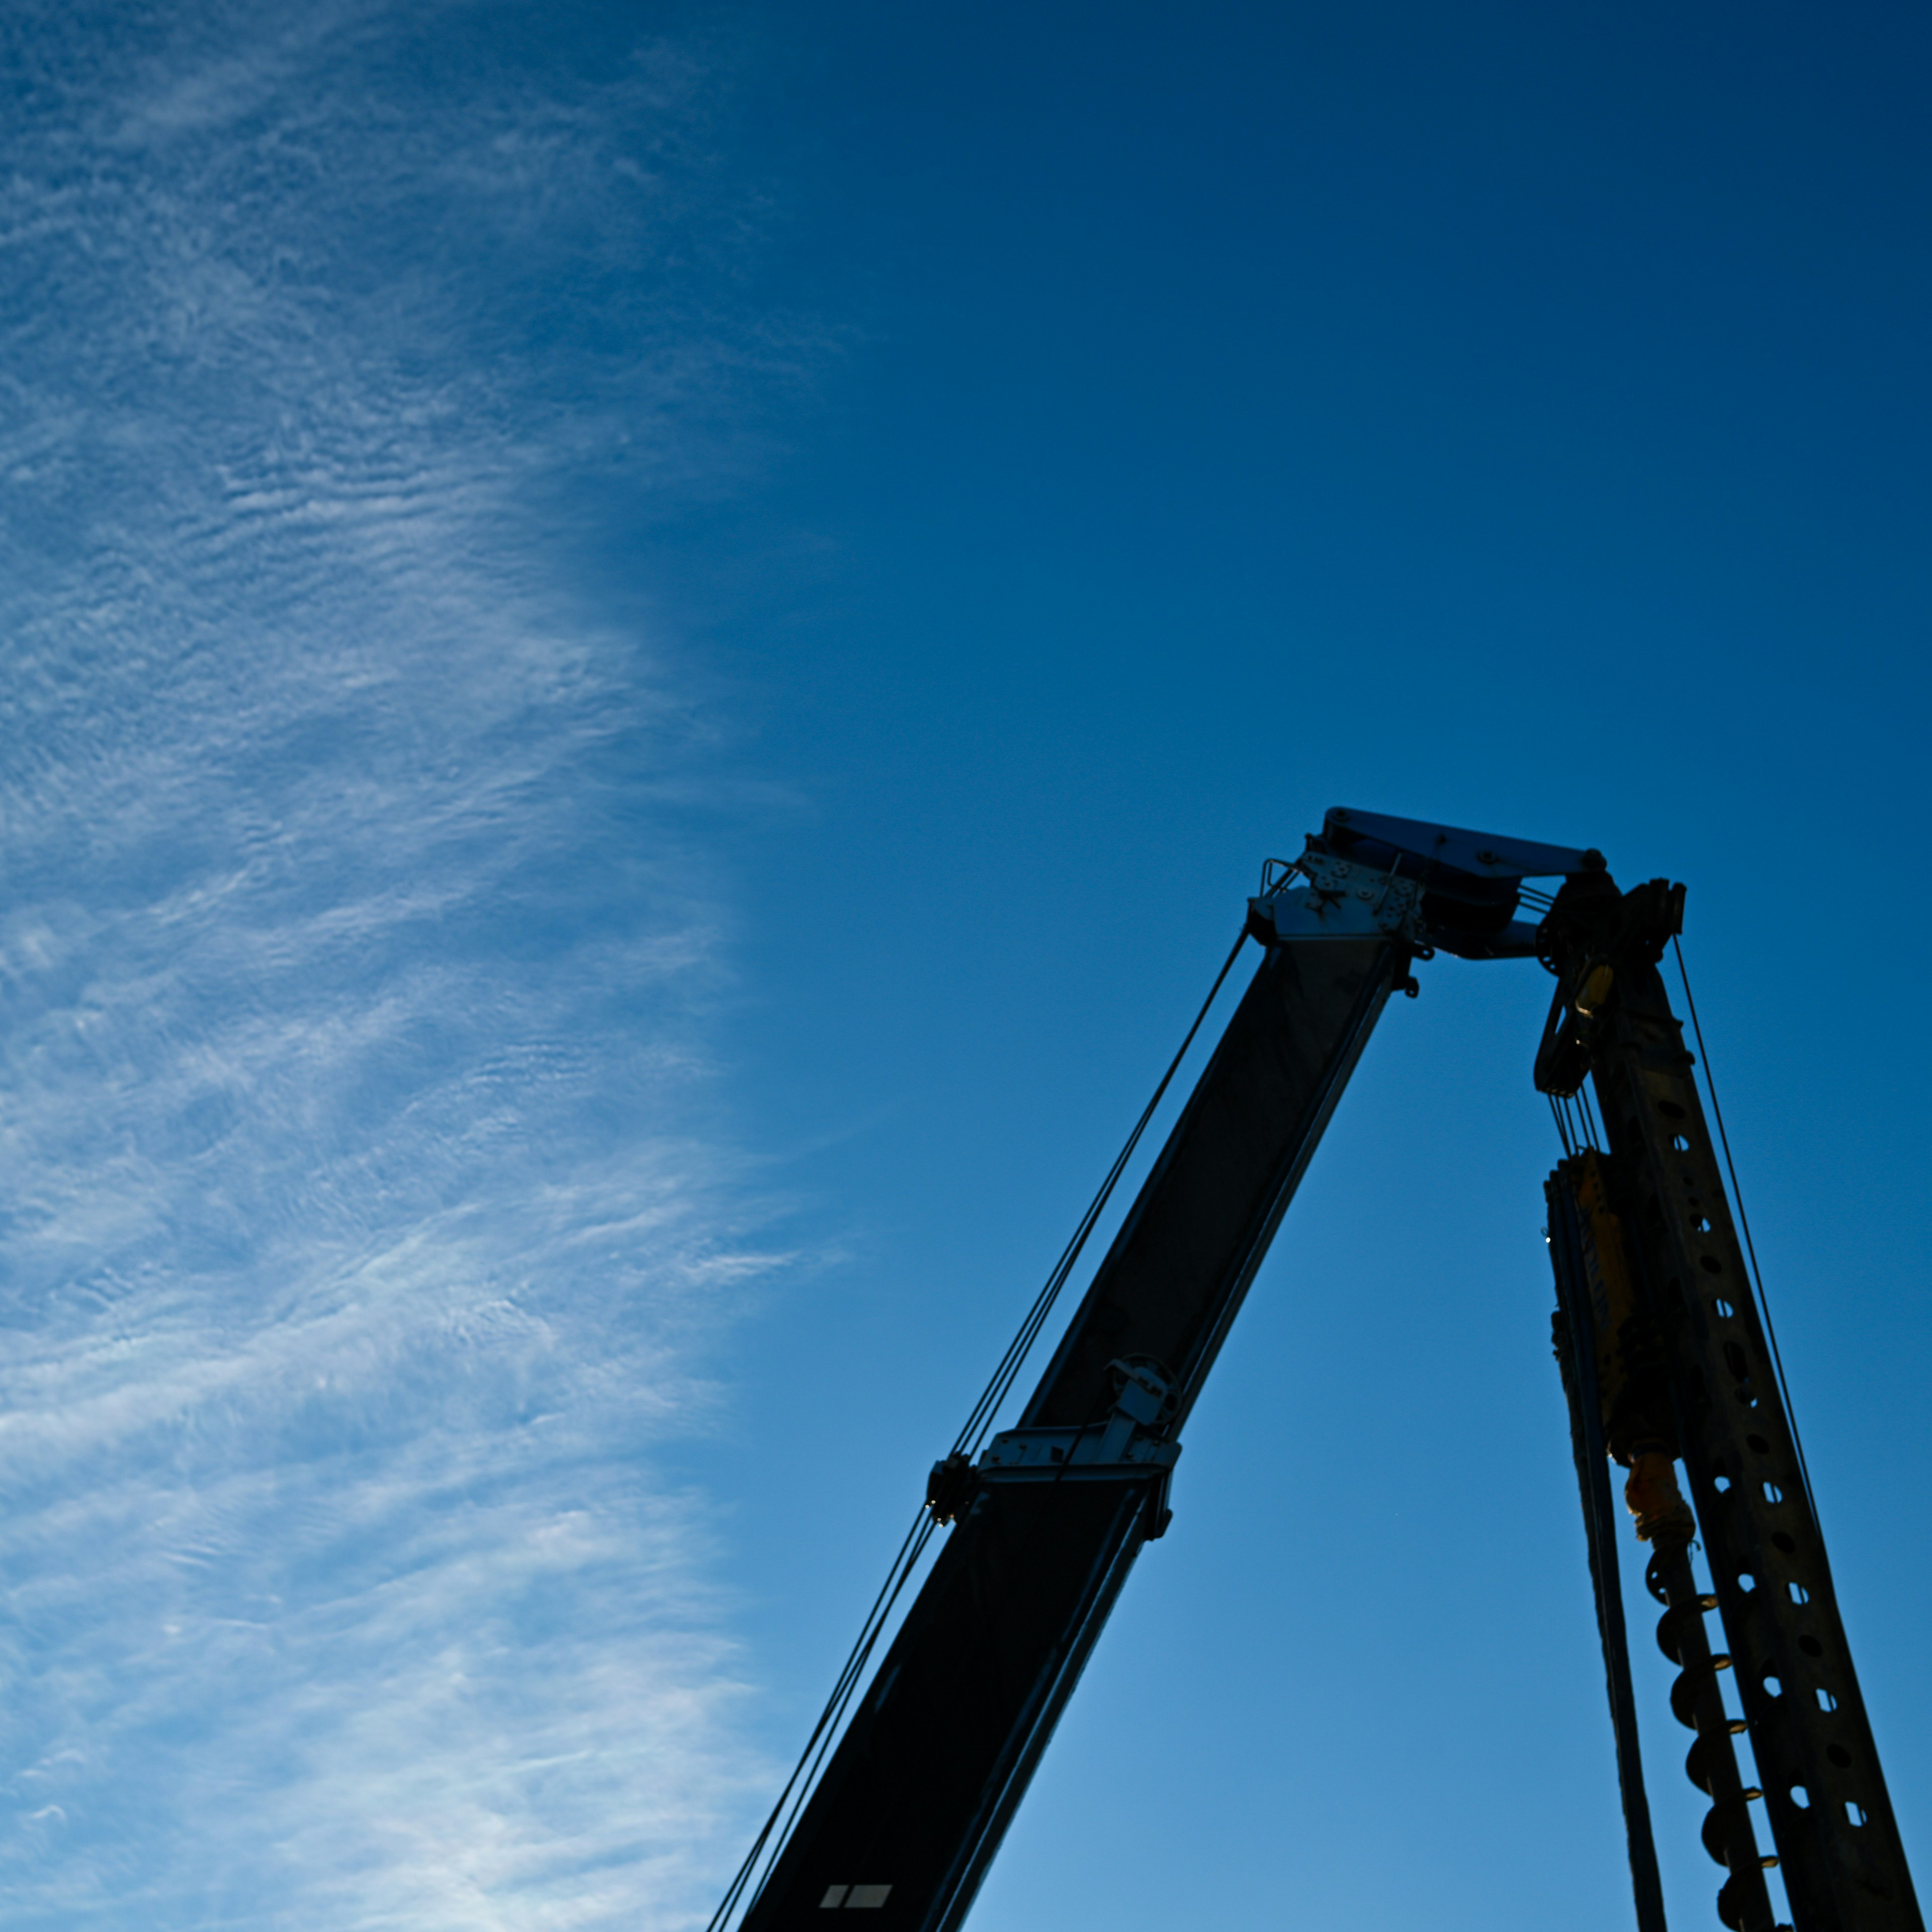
x,y
938,1751
1654,1284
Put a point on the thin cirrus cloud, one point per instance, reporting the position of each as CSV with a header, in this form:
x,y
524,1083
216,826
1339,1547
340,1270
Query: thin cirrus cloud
x,y
363,1237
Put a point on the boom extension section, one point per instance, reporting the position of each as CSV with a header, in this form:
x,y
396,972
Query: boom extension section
x,y
1045,1528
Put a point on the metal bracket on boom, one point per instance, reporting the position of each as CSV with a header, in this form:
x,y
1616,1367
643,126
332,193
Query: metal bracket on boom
x,y
1123,1442
1121,1447
1340,900
1427,885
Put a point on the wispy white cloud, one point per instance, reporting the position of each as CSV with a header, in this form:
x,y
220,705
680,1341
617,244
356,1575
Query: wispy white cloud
x,y
364,1236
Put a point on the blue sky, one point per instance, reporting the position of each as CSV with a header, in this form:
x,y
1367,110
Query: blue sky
x,y
648,656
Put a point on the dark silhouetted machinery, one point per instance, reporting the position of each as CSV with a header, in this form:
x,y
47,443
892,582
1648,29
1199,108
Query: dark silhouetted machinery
x,y
908,1784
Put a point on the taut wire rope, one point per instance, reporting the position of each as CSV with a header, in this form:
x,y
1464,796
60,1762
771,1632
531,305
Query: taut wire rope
x,y
1744,1222
994,1393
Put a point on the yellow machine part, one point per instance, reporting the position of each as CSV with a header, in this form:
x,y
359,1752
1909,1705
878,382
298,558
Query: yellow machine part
x,y
1607,1267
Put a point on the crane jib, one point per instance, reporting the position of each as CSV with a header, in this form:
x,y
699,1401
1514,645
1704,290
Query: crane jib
x,y
912,1805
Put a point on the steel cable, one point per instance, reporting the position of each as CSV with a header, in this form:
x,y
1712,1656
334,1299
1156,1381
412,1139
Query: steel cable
x,y
1743,1223
1002,1377
806,1769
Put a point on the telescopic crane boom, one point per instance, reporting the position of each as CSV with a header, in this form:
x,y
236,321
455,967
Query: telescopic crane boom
x,y
1663,1357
